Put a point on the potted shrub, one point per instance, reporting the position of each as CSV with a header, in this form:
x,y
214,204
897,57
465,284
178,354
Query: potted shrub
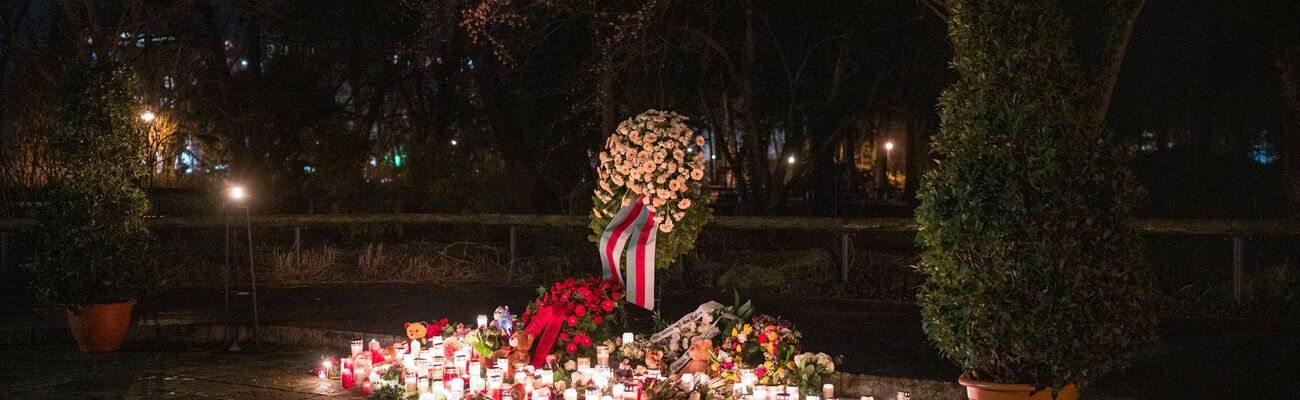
x,y
1033,278
92,237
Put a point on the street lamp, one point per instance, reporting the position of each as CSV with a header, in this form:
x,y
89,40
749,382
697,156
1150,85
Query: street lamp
x,y
147,116
790,160
237,196
889,146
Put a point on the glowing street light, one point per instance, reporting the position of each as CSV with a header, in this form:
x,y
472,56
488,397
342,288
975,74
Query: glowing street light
x,y
454,142
147,116
790,160
237,193
889,146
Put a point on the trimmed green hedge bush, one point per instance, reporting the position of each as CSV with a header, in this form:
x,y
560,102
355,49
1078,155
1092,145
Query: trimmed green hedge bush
x,y
93,240
1033,269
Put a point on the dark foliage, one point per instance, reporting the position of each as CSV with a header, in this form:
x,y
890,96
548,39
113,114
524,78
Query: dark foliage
x,y
93,241
1033,268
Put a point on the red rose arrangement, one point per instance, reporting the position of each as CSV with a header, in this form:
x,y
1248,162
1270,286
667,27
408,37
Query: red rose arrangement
x,y
582,311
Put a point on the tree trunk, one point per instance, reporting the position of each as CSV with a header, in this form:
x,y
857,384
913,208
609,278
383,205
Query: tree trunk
x,y
1115,60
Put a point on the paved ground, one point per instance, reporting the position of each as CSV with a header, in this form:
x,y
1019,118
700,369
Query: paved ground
x,y
159,372
1196,359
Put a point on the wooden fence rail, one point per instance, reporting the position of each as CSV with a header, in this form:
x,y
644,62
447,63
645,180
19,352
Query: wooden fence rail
x,y
1237,229
1214,227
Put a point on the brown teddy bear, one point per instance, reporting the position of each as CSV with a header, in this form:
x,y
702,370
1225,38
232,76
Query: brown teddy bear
x,y
521,345
417,330
701,352
654,358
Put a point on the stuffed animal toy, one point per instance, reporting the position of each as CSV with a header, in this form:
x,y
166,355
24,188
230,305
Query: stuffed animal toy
x,y
503,319
654,358
701,352
417,330
521,345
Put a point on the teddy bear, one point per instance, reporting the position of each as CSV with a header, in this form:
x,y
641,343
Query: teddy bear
x,y
701,352
521,345
654,358
417,330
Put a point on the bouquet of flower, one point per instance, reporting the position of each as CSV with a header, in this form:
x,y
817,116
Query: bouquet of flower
x,y
585,311
811,370
765,344
656,156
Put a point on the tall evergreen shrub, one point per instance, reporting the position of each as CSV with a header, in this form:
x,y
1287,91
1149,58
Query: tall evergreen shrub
x,y
1033,267
92,234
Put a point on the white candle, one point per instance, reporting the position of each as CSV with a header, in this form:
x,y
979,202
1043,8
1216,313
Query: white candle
x,y
422,386
426,396
617,391
607,397
904,395
475,370
520,376
793,391
570,394
542,394
813,397
760,393
456,388
602,356
828,391
868,398
627,337
356,347
592,394
503,364
482,321
415,346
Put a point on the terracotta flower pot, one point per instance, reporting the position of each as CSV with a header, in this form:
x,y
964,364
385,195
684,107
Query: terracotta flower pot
x,y
100,327
980,390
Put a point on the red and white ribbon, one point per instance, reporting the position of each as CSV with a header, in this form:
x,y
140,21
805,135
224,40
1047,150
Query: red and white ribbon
x,y
633,224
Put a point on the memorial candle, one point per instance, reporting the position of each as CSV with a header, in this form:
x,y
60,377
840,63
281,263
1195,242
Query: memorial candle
x,y
365,387
617,391
628,337
570,394
422,386
602,356
482,320
828,391
356,347
345,377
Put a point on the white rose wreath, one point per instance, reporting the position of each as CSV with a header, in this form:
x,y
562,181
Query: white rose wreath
x,y
657,156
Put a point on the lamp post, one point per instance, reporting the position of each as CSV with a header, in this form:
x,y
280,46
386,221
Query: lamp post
x,y
889,148
237,196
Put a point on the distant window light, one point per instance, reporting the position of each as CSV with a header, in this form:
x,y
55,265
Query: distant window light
x,y
243,63
220,167
395,58
307,169
1263,151
168,82
470,63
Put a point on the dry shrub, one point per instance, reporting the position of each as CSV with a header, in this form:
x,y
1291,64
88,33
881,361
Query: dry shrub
x,y
371,261
308,265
